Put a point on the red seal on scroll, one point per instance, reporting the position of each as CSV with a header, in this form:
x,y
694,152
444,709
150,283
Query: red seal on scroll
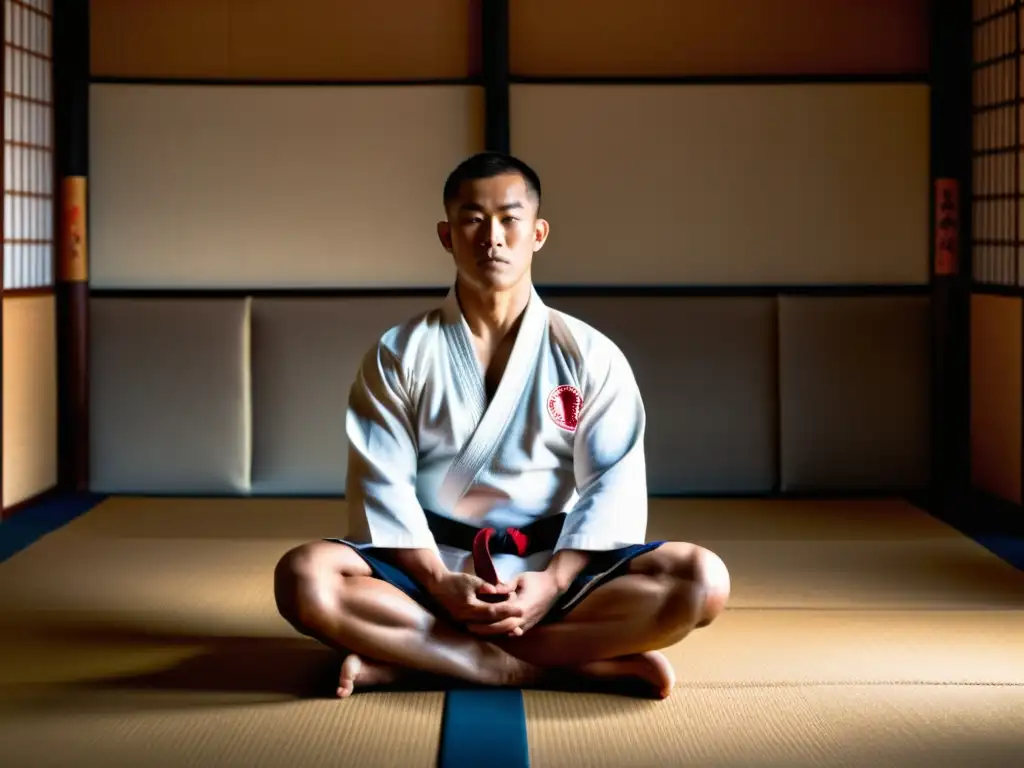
x,y
564,405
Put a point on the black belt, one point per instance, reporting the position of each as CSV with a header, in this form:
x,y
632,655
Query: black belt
x,y
539,536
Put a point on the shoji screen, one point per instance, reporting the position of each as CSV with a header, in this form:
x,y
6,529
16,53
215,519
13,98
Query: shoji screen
x,y
996,137
28,145
997,251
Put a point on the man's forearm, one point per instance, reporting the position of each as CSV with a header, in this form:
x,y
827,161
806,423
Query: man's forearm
x,y
566,565
422,564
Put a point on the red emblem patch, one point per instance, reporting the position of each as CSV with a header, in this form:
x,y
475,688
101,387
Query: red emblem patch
x,y
564,405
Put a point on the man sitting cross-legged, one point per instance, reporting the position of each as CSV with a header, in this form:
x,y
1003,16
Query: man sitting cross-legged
x,y
497,487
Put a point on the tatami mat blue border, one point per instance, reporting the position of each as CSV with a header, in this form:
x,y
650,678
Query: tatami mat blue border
x,y
484,727
40,518
994,523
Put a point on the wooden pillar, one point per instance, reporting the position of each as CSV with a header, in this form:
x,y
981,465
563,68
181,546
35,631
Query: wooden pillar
x,y
950,253
3,175
495,56
71,105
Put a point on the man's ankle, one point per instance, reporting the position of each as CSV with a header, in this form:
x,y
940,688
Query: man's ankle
x,y
502,669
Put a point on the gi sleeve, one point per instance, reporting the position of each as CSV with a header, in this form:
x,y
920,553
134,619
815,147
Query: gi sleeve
x,y
609,461
382,458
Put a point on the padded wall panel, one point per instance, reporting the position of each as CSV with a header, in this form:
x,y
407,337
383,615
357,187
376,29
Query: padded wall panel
x,y
169,395
996,347
729,184
225,186
854,393
706,368
317,39
698,37
305,356
29,397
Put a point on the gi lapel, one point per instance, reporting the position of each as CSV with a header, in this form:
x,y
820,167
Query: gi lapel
x,y
465,363
494,418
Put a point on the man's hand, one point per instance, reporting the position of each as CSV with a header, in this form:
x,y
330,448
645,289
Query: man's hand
x,y
534,592
466,598
470,600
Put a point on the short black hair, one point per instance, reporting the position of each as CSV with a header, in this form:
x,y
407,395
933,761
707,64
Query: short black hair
x,y
486,165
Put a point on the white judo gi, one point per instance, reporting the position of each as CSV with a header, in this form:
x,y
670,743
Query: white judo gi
x,y
564,433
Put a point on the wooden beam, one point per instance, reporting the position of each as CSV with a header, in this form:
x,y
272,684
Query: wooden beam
x,y
951,173
3,279
71,92
495,60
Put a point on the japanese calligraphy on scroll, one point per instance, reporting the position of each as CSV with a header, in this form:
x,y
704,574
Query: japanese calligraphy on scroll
x,y
947,226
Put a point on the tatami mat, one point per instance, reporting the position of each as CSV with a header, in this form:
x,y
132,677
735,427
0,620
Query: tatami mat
x,y
841,554
132,729
792,727
860,633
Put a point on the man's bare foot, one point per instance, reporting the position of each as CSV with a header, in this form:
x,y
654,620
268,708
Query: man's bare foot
x,y
366,673
651,670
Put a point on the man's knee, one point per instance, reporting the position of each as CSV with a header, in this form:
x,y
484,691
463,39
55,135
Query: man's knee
x,y
714,581
697,579
299,587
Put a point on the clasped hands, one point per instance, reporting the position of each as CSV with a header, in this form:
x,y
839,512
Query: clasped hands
x,y
509,609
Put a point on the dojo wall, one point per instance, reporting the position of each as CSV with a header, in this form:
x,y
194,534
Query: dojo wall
x,y
29,397
759,195
28,342
996,346
996,264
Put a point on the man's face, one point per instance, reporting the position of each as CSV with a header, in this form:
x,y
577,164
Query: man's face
x,y
493,231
